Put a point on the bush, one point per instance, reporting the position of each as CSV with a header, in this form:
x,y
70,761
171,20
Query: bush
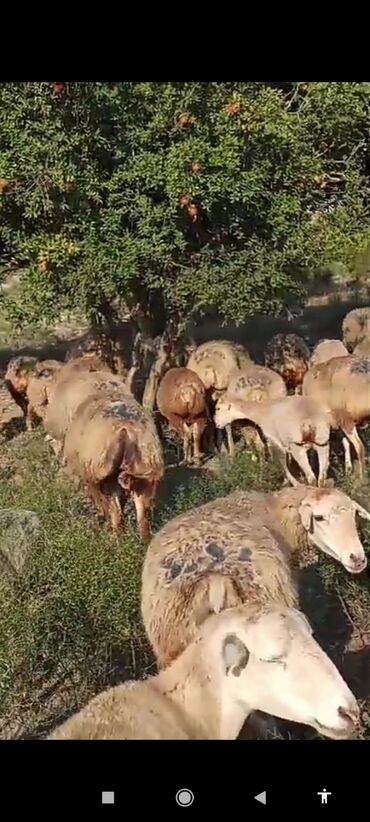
x,y
175,196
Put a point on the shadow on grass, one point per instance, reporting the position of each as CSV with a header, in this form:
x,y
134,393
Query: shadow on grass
x,y
12,428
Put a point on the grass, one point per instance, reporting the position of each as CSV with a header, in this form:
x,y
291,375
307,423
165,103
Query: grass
x,y
70,623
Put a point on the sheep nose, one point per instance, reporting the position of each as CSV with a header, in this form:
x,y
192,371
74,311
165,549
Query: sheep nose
x,y
358,562
350,714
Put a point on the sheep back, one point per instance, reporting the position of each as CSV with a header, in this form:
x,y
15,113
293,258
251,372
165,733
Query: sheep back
x,y
220,548
182,393
250,380
70,390
327,349
107,437
216,360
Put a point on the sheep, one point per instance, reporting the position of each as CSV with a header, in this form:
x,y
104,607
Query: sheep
x,y
289,355
181,399
111,443
356,327
215,362
238,548
253,383
291,426
342,386
242,660
73,386
28,381
363,348
327,349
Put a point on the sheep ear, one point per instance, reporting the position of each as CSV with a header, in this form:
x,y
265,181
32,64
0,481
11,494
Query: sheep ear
x,y
306,516
362,512
235,655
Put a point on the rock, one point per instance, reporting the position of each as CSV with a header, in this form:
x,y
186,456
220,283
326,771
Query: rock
x,y
18,529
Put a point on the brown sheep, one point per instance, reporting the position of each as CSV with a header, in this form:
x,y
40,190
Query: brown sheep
x,y
245,659
289,355
356,327
342,386
327,349
181,399
27,380
240,548
112,445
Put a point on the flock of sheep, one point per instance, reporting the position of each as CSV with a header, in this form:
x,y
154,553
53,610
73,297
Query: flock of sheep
x,y
219,596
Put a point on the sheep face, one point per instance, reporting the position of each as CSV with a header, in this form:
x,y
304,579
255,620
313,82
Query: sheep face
x,y
226,412
273,664
329,517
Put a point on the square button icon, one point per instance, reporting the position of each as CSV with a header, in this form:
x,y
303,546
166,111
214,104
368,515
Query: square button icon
x,y
107,797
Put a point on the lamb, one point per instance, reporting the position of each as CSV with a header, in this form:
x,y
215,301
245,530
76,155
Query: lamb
x,y
28,381
291,425
289,355
240,548
342,386
327,349
181,399
253,383
111,443
356,327
243,660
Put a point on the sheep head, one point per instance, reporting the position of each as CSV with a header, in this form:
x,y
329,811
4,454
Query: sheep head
x,y
329,518
271,663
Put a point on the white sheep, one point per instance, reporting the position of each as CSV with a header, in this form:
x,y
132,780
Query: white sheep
x,y
240,548
243,660
327,349
291,425
356,327
253,383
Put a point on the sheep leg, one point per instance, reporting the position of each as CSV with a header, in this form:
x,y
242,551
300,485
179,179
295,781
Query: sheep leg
x,y
115,513
187,439
347,455
220,440
323,453
143,501
281,455
300,455
99,499
197,436
230,441
359,448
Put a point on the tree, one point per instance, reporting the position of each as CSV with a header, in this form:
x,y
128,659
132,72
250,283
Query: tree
x,y
174,196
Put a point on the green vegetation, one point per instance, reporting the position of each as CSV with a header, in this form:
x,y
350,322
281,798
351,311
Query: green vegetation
x,y
70,624
174,196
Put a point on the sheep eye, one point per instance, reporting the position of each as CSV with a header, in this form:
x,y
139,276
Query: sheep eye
x,y
275,659
319,517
